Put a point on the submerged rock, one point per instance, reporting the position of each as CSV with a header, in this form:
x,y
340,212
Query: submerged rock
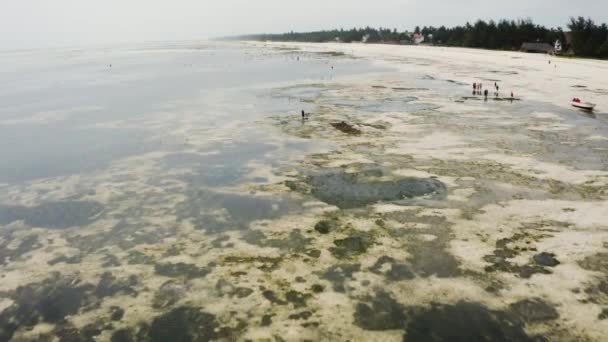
x,y
326,226
464,321
347,128
168,294
546,259
50,301
109,285
349,247
181,269
348,190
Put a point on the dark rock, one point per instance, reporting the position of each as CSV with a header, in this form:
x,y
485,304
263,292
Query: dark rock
x,y
326,226
116,313
546,259
346,128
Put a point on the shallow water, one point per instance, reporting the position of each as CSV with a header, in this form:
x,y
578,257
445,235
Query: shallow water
x,y
175,192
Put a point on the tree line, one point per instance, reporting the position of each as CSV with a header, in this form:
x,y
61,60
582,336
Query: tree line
x,y
585,37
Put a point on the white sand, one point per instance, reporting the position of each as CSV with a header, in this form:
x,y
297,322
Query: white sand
x,y
535,79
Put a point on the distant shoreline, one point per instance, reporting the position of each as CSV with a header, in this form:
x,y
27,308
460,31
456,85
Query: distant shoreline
x,y
585,38
564,57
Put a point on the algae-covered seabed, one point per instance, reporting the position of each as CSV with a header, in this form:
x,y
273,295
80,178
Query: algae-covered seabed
x,y
426,216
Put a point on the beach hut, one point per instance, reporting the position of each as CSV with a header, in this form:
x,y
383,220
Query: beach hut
x,y
537,47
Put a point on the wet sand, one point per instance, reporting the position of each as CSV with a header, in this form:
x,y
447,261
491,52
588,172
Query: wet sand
x,y
403,208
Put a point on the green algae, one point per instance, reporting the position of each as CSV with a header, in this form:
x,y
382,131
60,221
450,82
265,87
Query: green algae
x,y
348,190
188,271
350,246
339,274
534,310
26,245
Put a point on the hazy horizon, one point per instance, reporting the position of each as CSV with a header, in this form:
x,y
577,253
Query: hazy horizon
x,y
39,23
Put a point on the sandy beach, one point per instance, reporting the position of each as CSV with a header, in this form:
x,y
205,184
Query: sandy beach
x,y
527,75
403,208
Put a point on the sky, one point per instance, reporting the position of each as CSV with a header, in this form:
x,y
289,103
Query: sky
x,y
47,23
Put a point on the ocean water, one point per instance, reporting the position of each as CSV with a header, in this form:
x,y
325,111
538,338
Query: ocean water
x,y
107,154
71,111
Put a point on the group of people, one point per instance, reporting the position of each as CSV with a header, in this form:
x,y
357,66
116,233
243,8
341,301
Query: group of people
x,y
477,89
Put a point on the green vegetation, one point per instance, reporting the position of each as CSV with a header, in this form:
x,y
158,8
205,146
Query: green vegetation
x,y
584,38
354,35
589,39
